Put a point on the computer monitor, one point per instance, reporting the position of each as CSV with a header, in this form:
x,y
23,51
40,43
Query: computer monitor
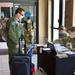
x,y
51,46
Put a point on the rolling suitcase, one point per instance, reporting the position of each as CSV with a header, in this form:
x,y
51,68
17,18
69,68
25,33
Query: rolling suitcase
x,y
21,64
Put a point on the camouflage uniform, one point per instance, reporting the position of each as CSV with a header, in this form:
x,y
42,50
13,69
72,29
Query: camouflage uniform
x,y
63,35
62,31
3,28
29,33
65,41
14,31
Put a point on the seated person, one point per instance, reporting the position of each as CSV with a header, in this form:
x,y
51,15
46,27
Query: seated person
x,y
69,41
62,31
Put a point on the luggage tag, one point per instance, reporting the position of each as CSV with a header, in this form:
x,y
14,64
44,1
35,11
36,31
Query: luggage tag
x,y
41,50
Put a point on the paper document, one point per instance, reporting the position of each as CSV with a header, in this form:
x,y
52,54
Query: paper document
x,y
60,48
46,48
69,52
63,49
38,44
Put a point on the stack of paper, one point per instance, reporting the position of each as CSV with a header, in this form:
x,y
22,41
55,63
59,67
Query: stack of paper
x,y
60,48
69,52
62,55
63,49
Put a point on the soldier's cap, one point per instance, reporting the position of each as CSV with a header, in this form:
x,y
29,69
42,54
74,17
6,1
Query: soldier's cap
x,y
60,28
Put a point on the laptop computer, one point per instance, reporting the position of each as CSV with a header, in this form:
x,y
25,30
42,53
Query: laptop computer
x,y
51,46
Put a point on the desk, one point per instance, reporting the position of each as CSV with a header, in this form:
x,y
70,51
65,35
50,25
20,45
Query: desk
x,y
55,66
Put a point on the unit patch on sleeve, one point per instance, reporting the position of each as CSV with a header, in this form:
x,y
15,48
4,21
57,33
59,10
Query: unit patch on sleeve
x,y
13,23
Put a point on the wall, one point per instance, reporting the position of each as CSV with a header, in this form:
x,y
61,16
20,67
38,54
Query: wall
x,y
16,1
73,12
42,19
69,13
6,4
49,20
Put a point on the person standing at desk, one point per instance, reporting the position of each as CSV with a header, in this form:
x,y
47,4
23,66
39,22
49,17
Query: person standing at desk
x,y
69,41
14,32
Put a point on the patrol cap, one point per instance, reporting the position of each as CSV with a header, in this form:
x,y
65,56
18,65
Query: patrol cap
x,y
60,28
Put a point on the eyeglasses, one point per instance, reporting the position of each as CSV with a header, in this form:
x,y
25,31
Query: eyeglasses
x,y
21,14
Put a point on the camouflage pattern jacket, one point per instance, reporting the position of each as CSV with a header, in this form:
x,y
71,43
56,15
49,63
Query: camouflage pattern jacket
x,y
65,41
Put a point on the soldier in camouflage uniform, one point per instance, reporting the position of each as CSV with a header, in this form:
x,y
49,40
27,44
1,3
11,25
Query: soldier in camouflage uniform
x,y
68,40
14,32
62,32
29,32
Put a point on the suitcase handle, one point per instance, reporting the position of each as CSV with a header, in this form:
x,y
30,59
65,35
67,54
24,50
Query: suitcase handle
x,y
22,37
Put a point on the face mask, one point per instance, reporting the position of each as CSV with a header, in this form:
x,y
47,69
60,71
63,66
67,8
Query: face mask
x,y
70,36
60,33
28,21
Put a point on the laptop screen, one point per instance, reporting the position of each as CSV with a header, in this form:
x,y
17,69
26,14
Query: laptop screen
x,y
46,40
51,46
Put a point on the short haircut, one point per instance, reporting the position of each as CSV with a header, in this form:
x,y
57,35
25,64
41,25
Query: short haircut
x,y
61,28
19,10
72,29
